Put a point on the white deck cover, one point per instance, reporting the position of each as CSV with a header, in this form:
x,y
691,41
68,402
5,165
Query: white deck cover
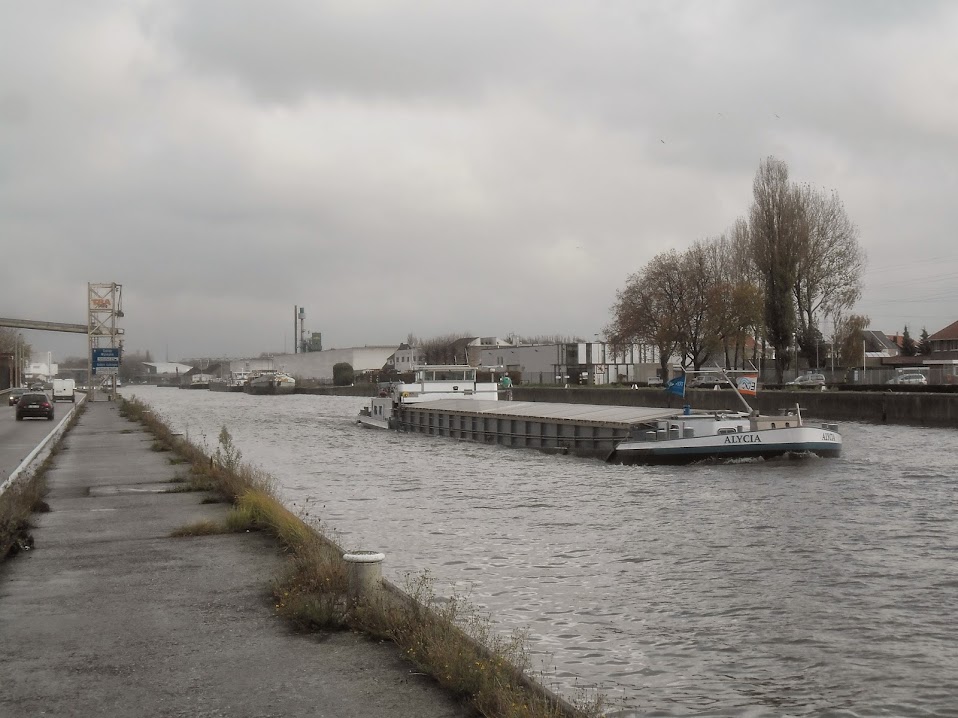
x,y
598,413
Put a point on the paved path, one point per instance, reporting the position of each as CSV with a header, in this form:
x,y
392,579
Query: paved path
x,y
108,616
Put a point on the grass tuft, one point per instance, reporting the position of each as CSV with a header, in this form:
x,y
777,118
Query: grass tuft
x,y
204,527
311,593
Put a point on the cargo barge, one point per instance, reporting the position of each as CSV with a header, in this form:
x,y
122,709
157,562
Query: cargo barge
x,y
621,434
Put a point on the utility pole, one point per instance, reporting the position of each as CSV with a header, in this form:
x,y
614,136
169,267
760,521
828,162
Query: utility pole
x,y
18,361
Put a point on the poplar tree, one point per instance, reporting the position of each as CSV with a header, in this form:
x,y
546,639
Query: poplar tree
x,y
775,229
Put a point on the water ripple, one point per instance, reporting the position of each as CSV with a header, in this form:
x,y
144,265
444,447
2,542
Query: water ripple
x,y
799,588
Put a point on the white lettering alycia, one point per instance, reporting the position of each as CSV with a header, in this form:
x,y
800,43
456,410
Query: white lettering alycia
x,y
743,439
828,436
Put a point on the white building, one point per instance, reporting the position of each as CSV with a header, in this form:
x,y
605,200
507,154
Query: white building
x,y
40,371
575,362
405,358
318,366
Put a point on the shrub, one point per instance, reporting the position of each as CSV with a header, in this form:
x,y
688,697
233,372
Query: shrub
x,y
343,374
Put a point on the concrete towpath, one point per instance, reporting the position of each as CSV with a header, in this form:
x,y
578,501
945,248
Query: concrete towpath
x,y
109,616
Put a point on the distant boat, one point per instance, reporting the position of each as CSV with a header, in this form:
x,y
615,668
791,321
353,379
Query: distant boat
x,y
199,381
269,382
234,382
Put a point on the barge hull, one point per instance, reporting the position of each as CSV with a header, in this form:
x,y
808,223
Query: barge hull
x,y
616,434
577,429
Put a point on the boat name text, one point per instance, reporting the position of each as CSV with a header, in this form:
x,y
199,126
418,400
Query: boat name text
x,y
743,439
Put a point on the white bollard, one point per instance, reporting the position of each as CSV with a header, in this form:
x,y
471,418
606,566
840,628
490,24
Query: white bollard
x,y
365,574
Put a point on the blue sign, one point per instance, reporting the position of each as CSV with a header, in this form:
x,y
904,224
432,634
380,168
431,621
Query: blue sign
x,y
106,356
106,360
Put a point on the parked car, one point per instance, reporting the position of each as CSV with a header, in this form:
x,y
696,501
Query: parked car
x,y
654,381
909,378
807,380
707,381
36,404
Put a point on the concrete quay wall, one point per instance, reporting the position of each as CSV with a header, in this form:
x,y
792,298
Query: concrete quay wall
x,y
919,408
926,409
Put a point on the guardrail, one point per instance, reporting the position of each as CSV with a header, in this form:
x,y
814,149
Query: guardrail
x,y
42,449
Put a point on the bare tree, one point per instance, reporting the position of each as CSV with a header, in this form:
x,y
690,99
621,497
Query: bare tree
x,y
701,306
849,335
776,228
443,349
646,309
830,265
738,296
11,342
673,303
519,339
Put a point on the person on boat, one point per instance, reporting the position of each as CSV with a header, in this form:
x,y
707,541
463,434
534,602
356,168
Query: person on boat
x,y
506,385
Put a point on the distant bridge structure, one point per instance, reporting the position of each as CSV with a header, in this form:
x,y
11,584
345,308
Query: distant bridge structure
x,y
104,308
44,326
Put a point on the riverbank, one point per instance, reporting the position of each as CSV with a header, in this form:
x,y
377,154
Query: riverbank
x,y
141,564
109,615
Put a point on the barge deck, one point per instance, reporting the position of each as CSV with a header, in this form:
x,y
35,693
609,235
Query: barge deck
x,y
588,430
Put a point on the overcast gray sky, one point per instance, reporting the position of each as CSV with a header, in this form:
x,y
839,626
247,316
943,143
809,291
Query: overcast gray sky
x,y
436,167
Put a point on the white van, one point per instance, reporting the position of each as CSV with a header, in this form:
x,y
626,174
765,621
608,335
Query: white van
x,y
64,390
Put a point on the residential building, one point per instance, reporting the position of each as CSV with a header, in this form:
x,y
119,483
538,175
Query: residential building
x,y
945,341
405,358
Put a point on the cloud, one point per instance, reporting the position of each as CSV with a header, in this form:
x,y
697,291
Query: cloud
x,y
445,166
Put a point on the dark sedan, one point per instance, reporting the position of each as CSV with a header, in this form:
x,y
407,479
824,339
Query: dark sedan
x,y
15,394
36,404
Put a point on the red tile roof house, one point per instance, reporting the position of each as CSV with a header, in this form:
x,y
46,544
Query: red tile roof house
x,y
943,360
945,342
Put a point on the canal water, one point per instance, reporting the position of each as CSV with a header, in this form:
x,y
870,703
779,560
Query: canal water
x,y
781,588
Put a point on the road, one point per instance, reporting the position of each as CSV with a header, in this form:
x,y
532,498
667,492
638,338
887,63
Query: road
x,y
19,438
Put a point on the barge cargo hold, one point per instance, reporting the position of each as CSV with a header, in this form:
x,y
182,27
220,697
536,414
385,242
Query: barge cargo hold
x,y
580,429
